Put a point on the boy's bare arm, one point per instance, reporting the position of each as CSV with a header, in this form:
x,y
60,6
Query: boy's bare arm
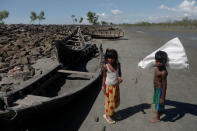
x,y
164,85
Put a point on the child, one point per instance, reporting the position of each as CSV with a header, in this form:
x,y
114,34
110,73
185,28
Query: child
x,y
110,86
160,84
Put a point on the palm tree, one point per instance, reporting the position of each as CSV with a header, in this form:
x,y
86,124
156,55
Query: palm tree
x,y
73,18
81,20
3,15
41,16
33,16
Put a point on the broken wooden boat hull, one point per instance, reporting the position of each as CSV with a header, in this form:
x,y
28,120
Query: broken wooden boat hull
x,y
104,32
33,98
55,88
69,57
107,34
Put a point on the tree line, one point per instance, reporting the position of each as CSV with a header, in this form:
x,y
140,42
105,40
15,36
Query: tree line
x,y
91,17
185,22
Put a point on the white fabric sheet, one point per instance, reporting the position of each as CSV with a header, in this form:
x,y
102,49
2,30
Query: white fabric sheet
x,y
176,55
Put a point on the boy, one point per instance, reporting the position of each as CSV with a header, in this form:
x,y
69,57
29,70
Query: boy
x,y
160,84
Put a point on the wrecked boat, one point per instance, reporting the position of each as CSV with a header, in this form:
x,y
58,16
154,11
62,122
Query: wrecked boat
x,y
80,66
105,32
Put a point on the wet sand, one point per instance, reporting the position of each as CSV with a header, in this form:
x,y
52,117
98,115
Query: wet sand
x,y
137,89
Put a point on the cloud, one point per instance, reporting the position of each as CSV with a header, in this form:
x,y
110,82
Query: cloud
x,y
103,15
166,8
116,12
115,16
186,6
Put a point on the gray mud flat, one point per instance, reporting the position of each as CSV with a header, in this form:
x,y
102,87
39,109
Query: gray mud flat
x,y
137,88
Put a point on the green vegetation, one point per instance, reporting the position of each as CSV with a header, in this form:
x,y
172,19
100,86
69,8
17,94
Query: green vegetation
x,y
92,18
3,15
34,16
185,22
81,20
73,18
41,16
104,23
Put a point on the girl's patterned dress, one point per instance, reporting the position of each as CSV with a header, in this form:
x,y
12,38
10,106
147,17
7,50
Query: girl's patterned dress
x,y
112,99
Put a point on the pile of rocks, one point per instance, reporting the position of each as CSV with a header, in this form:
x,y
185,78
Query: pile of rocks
x,y
22,45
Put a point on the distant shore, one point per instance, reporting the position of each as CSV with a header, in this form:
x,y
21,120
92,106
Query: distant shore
x,y
171,28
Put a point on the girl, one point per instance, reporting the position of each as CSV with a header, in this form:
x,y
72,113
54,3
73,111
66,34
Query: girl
x,y
110,86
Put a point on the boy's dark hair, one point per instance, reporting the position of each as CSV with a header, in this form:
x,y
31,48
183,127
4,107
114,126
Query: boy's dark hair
x,y
111,53
161,56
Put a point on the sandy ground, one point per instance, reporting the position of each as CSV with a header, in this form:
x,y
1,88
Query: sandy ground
x,y
137,89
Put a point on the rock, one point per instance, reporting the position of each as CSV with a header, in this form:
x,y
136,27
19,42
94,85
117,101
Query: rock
x,y
15,56
15,48
4,54
1,59
36,43
11,53
8,58
23,53
32,72
12,62
28,70
32,60
19,44
35,52
24,60
3,65
22,45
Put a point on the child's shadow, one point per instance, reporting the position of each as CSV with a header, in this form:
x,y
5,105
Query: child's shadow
x,y
125,113
179,111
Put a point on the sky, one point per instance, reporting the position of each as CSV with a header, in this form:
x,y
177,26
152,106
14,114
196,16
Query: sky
x,y
115,11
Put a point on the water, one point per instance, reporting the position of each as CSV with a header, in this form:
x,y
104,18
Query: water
x,y
186,37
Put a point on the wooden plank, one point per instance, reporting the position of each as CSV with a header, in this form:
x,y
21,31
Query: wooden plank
x,y
74,41
77,72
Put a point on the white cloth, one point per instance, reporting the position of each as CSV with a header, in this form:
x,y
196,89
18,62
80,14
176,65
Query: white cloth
x,y
112,77
176,55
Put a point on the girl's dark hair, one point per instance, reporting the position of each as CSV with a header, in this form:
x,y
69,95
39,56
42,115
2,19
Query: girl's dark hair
x,y
111,53
161,56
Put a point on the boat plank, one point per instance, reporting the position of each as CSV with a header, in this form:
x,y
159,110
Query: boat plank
x,y
77,72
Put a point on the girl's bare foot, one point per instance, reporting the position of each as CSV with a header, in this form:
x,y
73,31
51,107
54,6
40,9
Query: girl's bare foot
x,y
154,120
108,119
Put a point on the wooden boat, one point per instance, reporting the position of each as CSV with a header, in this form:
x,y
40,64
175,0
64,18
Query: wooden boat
x,y
58,86
73,49
105,32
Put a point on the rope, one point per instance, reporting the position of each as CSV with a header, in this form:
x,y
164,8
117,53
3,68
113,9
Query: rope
x,y
11,109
